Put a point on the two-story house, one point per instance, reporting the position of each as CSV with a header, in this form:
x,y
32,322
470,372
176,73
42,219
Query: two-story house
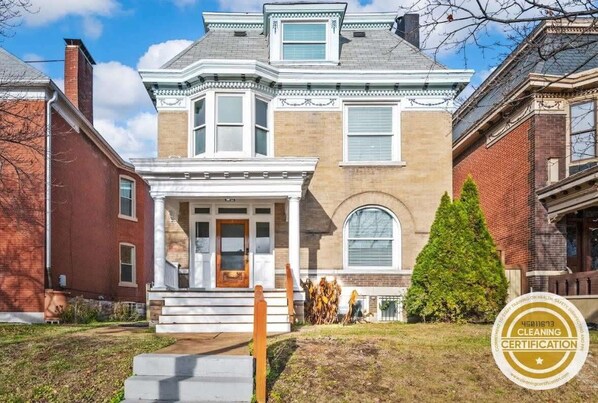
x,y
304,135
528,138
75,217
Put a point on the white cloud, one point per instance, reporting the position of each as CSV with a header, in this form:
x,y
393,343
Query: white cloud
x,y
160,53
118,91
45,11
92,27
136,137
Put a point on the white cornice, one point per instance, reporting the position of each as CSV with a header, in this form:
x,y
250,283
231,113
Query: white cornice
x,y
298,76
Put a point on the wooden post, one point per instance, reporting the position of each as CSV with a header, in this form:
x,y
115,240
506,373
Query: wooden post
x,y
289,288
260,318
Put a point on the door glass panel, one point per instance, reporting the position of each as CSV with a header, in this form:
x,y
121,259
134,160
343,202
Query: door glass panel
x,y
202,237
232,252
262,237
594,248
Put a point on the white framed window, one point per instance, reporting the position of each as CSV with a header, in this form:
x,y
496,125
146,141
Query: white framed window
x,y
229,124
127,275
583,131
371,133
261,127
126,205
199,126
372,239
304,41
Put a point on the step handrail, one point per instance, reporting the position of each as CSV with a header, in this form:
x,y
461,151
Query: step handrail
x,y
289,289
260,318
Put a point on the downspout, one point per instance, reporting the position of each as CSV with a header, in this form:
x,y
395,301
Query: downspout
x,y
49,187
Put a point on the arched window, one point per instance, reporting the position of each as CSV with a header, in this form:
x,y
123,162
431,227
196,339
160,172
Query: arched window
x,y
372,239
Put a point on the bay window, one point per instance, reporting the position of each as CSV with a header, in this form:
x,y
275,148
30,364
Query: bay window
x,y
229,125
583,131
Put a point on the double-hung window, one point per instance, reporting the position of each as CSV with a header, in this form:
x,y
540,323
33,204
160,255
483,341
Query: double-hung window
x,y
583,131
229,123
127,264
127,198
261,127
370,133
199,126
303,41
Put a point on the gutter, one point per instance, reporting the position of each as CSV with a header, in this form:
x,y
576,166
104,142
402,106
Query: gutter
x,y
49,187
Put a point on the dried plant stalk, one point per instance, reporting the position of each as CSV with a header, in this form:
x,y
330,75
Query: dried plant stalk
x,y
321,304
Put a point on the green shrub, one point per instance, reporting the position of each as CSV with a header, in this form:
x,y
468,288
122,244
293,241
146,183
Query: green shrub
x,y
79,310
458,275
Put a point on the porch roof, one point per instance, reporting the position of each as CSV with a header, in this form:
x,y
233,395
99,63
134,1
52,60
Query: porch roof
x,y
244,177
571,194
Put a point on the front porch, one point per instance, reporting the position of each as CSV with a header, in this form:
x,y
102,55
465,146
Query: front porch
x,y
216,219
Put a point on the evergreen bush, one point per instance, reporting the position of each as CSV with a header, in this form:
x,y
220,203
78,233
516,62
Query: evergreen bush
x,y
458,275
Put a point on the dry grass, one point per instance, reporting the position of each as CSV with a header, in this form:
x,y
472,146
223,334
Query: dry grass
x,y
404,362
41,363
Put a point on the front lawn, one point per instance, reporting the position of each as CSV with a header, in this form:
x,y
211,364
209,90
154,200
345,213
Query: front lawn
x,y
395,362
78,363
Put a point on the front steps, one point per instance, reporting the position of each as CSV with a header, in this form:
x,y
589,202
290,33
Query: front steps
x,y
219,312
191,378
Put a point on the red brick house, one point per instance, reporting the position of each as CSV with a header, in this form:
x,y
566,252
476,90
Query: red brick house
x,y
74,216
528,138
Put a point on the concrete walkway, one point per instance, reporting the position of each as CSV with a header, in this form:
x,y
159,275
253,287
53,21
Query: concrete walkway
x,y
209,343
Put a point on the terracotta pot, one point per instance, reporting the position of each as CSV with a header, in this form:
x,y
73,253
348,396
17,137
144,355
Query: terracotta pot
x,y
52,301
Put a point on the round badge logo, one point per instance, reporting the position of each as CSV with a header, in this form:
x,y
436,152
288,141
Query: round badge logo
x,y
540,341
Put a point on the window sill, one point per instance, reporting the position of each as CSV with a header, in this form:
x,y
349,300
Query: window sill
x,y
296,63
128,285
372,164
126,217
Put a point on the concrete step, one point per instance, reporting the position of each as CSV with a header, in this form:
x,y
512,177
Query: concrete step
x,y
220,310
219,294
220,328
202,389
219,319
193,365
218,301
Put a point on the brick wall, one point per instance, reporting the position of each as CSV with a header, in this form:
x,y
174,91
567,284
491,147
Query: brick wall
x,y
86,230
412,192
78,80
22,212
173,134
503,173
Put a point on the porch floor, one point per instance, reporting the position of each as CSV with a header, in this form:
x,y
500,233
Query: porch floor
x,y
209,344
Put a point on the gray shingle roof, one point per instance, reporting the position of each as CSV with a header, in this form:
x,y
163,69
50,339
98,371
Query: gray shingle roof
x,y
379,50
573,54
15,70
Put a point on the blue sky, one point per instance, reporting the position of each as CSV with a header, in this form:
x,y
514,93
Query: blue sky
x,y
124,35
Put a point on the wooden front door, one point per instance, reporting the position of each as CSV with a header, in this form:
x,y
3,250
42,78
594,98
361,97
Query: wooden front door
x,y
232,253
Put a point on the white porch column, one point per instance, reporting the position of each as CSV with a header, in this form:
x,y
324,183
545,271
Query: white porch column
x,y
159,243
294,243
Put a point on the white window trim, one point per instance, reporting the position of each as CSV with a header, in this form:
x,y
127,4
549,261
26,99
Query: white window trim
x,y
582,161
256,126
396,244
132,283
396,135
193,127
332,41
249,124
132,217
324,42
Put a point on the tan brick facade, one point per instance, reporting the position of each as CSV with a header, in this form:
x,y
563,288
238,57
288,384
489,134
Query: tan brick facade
x,y
173,128
411,192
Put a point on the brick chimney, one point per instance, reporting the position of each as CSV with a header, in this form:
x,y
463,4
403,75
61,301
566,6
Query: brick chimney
x,y
78,76
408,28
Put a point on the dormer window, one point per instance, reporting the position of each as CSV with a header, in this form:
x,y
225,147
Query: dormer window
x,y
303,41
